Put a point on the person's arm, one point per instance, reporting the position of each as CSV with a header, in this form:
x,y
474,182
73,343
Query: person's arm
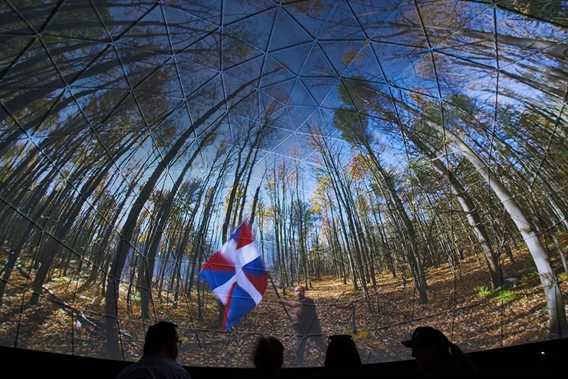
x,y
290,303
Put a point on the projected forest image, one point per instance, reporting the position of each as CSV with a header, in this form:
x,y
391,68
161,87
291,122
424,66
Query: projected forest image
x,y
404,161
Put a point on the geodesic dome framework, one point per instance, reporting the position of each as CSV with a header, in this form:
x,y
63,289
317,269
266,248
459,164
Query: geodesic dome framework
x,y
425,139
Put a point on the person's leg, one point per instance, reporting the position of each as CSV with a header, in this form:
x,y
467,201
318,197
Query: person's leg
x,y
300,345
320,342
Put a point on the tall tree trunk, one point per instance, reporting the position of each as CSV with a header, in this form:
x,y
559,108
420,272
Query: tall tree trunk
x,y
419,274
162,220
112,293
466,203
555,305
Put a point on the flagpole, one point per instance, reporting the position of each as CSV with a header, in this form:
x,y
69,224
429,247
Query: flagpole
x,y
278,296
251,220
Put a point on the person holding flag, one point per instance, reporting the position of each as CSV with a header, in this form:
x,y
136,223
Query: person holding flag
x,y
237,276
305,323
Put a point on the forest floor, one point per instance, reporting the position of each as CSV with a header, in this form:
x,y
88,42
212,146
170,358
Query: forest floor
x,y
460,305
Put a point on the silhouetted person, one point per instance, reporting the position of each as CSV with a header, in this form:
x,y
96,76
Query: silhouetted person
x,y
436,355
342,352
268,356
160,354
305,322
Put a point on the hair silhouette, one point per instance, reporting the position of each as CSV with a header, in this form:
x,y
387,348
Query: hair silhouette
x,y
268,355
342,352
161,338
435,353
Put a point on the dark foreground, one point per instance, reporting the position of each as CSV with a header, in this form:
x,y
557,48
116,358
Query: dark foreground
x,y
544,359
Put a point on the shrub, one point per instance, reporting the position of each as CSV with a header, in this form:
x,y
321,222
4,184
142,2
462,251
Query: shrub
x,y
483,292
533,275
505,295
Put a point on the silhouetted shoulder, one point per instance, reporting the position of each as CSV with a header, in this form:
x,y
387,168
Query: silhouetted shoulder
x,y
154,368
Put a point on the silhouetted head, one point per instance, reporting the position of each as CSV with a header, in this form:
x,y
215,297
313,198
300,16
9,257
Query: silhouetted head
x,y
268,355
300,292
430,347
162,339
342,352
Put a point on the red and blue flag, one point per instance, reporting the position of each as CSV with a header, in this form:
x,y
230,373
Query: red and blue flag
x,y
236,275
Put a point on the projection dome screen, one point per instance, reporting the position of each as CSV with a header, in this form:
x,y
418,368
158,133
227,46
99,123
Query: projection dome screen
x,y
405,162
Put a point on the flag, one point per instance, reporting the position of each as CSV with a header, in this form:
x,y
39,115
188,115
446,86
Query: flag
x,y
236,275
